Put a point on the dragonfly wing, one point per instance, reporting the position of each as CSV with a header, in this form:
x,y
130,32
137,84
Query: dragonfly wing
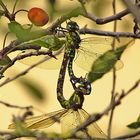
x,y
50,63
67,121
70,121
74,118
93,129
93,47
42,121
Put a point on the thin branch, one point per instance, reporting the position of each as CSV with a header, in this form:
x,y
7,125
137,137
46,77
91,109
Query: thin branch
x,y
98,116
109,130
134,9
23,72
14,7
7,14
15,106
19,57
86,30
23,10
105,20
88,15
5,40
128,136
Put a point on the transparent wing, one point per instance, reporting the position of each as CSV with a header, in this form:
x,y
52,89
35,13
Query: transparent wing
x,y
70,121
42,121
74,118
93,47
90,49
93,129
51,63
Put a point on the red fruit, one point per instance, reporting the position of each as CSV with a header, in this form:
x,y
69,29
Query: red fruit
x,y
38,16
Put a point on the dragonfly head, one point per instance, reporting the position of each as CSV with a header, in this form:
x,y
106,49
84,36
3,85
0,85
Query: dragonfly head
x,y
72,26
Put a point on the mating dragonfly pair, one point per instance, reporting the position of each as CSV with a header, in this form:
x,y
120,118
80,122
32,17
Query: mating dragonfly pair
x,y
73,115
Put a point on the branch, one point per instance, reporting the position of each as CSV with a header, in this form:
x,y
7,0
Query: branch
x,y
19,57
134,9
128,136
23,72
105,20
15,106
86,30
113,95
6,11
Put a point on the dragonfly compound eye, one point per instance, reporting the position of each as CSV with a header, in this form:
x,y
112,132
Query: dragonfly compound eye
x,y
72,26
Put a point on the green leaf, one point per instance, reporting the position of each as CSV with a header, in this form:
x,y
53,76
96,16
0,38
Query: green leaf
x,y
33,89
21,33
134,125
106,62
50,42
5,61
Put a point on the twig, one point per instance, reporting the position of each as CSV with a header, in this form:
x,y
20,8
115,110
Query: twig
x,y
109,130
14,7
134,9
86,30
19,57
10,16
105,20
5,40
23,72
15,106
98,116
128,136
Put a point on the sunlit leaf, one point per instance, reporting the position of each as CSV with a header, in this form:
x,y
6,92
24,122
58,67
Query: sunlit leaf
x,y
5,60
21,33
106,62
50,42
33,89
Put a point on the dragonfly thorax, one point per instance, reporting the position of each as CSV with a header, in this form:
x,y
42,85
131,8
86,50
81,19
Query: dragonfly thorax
x,y
75,40
76,101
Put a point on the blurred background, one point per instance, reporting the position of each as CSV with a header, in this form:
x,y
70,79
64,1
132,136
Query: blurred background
x,y
46,80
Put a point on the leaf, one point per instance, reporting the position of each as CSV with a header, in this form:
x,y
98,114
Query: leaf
x,y
33,89
21,33
5,61
50,42
106,62
134,125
